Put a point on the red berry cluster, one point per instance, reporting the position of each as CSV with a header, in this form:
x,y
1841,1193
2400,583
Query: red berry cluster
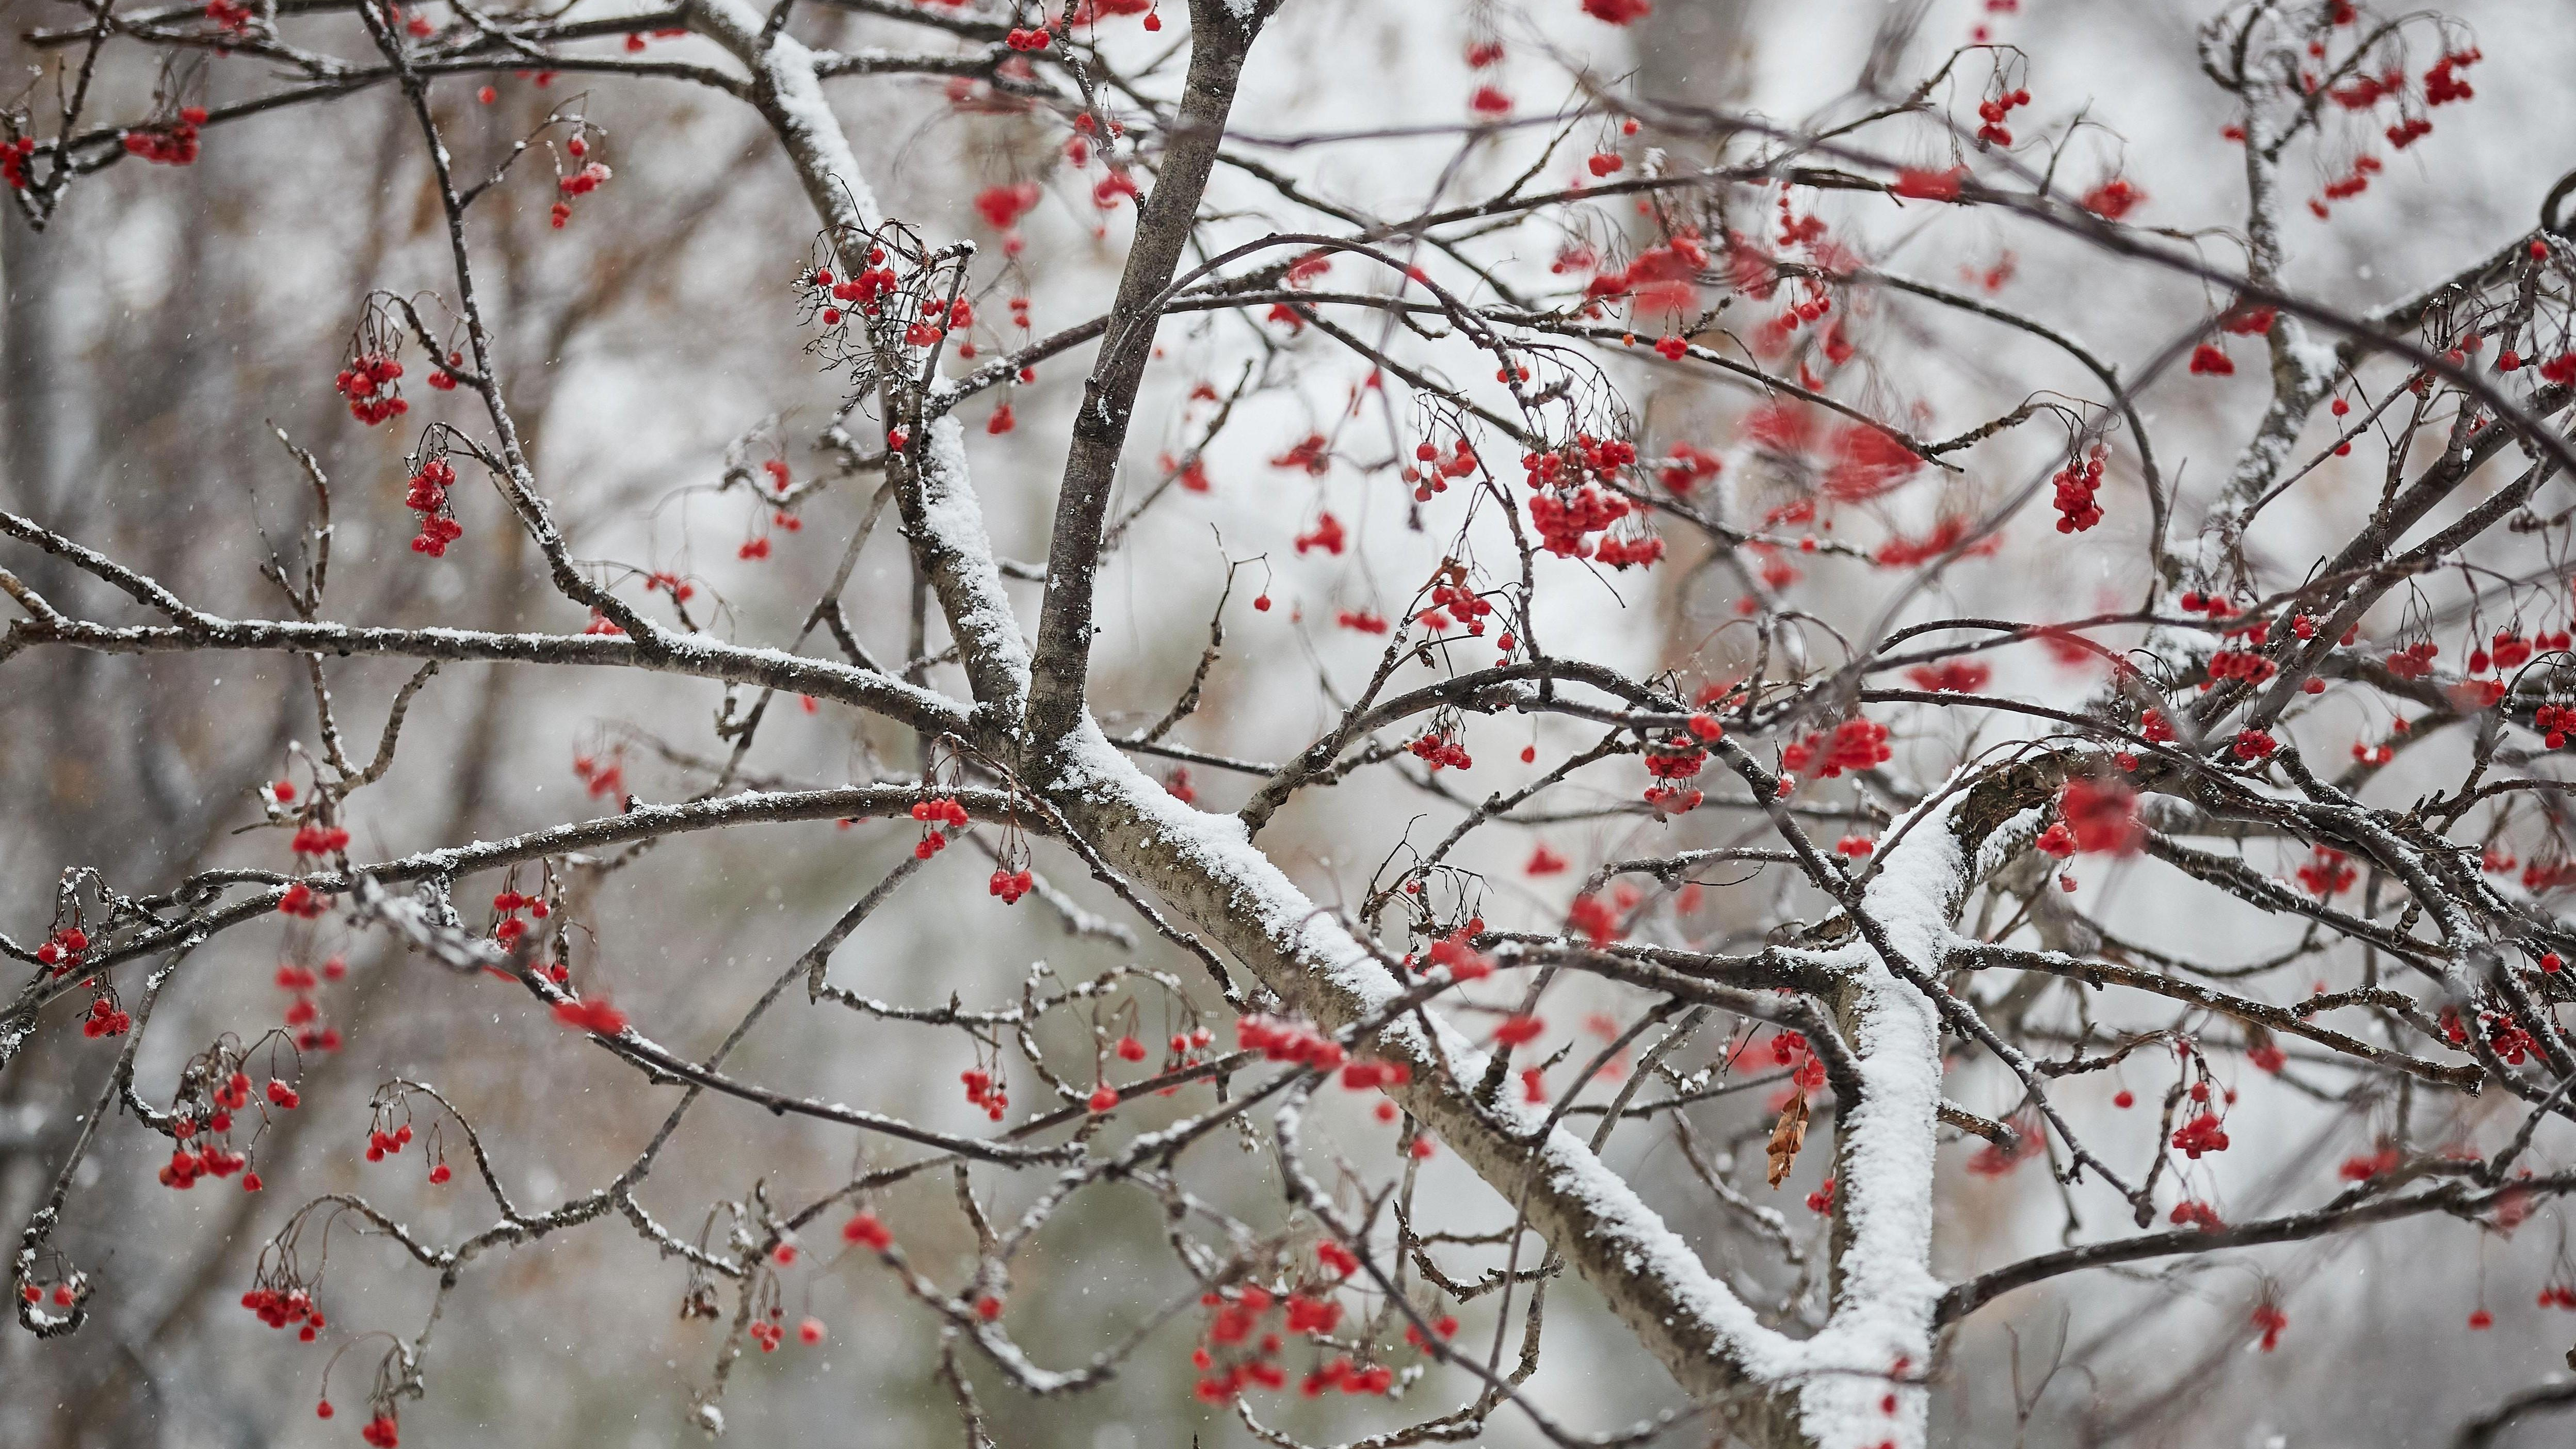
x,y
2076,484
371,384
507,927
2442,83
984,1090
382,1432
868,1231
279,1306
106,1018
209,1159
1453,605
1676,759
1565,506
1564,520
1009,885
2508,651
1029,40
1660,279
2352,183
172,145
382,1143
1822,1199
605,778
1596,918
1375,1076
1994,1160
579,183
1856,744
2271,1320
1440,750
2254,745
315,838
935,813
2328,872
2506,1035
427,496
2113,198
1640,545
2555,722
2201,1215
1282,1040
1326,534
230,15
62,951
13,162
1004,205
1952,676
1786,1050
302,902
1687,468
1992,112
304,1013
2205,1132
2415,660
864,291
1457,952
2208,360
2238,664
591,1014
1435,471
2102,816
1362,621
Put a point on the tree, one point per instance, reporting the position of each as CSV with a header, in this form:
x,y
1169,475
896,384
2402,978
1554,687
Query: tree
x,y
1905,954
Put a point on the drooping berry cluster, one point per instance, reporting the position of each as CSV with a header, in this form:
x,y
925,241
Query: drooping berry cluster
x,y
508,927
1327,535
578,183
2076,485
2253,745
106,1018
1855,745
427,496
1673,761
192,1159
1441,751
604,778
985,1091
1281,1040
2204,1132
14,156
1457,952
866,291
1454,605
1992,111
62,951
938,815
171,144
303,1012
1434,472
2327,872
371,384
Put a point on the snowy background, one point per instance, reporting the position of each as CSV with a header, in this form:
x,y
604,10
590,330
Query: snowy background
x,y
154,333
